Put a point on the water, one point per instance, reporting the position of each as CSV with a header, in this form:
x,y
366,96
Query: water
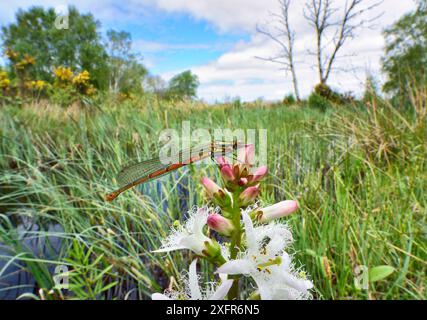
x,y
15,279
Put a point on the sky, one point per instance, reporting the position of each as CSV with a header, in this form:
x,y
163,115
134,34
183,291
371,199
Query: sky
x,y
217,40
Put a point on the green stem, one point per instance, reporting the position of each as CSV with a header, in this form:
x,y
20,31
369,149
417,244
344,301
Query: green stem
x,y
235,243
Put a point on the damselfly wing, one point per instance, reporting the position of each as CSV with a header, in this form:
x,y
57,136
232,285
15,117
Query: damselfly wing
x,y
151,169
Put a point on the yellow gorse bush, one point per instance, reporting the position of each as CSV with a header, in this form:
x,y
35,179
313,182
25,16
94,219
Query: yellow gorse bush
x,y
4,80
82,78
79,81
12,55
90,90
36,85
26,61
64,74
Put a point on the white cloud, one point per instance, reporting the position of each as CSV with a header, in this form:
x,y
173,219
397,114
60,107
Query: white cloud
x,y
239,73
226,15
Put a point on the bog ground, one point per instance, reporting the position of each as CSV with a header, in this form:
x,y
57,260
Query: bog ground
x,y
359,175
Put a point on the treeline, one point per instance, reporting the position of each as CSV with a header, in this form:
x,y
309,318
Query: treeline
x,y
404,61
77,62
74,61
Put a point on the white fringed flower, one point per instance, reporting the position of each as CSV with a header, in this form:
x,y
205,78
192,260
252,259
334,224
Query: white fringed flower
x,y
267,263
190,236
193,291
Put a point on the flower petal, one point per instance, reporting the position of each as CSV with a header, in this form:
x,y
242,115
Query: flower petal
x,y
246,155
238,266
227,173
220,224
194,243
302,285
168,249
159,296
222,161
276,245
278,210
222,290
249,195
265,290
251,239
193,281
210,186
258,174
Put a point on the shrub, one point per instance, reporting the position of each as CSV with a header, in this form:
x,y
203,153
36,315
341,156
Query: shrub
x,y
4,81
326,92
289,100
316,101
69,87
36,88
21,66
63,96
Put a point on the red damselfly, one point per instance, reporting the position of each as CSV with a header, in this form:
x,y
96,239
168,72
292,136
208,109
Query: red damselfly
x,y
151,169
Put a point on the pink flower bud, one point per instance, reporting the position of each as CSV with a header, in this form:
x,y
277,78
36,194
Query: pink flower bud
x,y
249,195
211,187
246,155
278,210
222,162
243,181
227,173
258,174
220,224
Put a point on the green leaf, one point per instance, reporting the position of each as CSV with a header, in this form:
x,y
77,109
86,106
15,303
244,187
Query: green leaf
x,y
380,272
310,252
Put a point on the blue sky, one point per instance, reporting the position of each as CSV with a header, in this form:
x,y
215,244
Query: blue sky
x,y
217,40
175,41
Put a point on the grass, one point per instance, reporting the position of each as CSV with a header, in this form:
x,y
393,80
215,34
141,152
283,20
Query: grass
x,y
360,178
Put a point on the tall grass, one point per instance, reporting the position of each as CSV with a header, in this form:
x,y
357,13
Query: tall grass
x,y
359,176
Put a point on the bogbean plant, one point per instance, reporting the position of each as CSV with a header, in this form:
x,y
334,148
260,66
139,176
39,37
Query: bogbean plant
x,y
255,239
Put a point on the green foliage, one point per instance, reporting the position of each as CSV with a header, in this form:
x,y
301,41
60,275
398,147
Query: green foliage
x,y
63,97
316,101
385,136
356,207
405,60
379,273
289,100
183,86
91,276
326,92
34,33
126,73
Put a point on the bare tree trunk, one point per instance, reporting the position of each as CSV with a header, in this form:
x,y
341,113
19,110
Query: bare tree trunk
x,y
321,15
284,37
295,83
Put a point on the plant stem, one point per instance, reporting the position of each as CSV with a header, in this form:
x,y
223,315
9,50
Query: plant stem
x,y
235,243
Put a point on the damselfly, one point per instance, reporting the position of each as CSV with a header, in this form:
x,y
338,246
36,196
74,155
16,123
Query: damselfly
x,y
151,169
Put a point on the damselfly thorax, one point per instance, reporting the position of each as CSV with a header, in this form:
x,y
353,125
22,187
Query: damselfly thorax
x,y
151,169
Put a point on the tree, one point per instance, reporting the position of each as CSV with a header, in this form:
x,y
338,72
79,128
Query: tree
x,y
321,15
405,57
126,73
183,86
79,47
156,85
282,34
